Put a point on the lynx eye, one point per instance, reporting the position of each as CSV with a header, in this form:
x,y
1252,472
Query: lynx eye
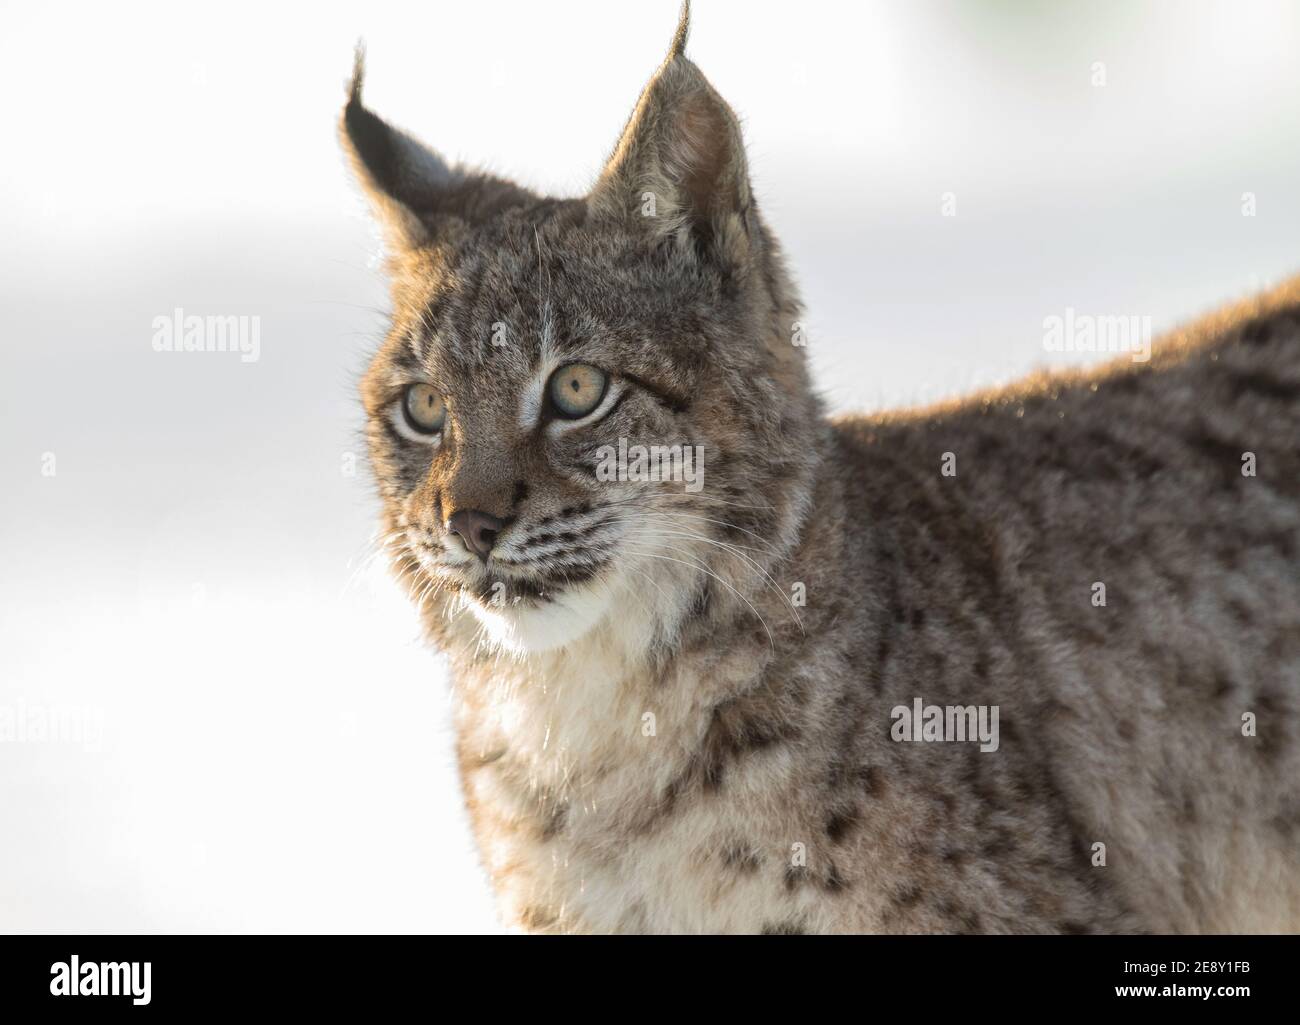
x,y
576,390
424,409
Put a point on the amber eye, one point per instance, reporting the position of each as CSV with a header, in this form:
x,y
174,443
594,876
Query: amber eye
x,y
425,411
576,390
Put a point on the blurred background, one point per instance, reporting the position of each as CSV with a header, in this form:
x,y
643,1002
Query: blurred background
x,y
215,713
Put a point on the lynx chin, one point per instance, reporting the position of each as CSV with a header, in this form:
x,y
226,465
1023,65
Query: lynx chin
x,y
530,336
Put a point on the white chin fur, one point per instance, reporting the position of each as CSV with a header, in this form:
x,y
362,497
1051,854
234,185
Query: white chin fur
x,y
527,629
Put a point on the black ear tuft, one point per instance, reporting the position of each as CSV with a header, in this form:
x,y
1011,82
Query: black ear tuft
x,y
414,191
358,73
678,47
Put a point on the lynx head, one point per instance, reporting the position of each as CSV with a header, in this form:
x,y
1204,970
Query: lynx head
x,y
589,410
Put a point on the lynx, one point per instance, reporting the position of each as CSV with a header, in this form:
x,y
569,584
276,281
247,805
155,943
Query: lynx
x,y
675,708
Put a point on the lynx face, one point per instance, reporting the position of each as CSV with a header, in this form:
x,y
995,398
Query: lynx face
x,y
581,403
492,411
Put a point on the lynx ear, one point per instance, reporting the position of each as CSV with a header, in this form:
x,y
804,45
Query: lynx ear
x,y
415,193
680,166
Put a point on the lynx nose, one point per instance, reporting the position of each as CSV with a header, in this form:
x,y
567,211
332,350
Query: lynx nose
x,y
478,530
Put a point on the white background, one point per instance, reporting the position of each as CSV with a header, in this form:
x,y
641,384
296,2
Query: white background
x,y
268,745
